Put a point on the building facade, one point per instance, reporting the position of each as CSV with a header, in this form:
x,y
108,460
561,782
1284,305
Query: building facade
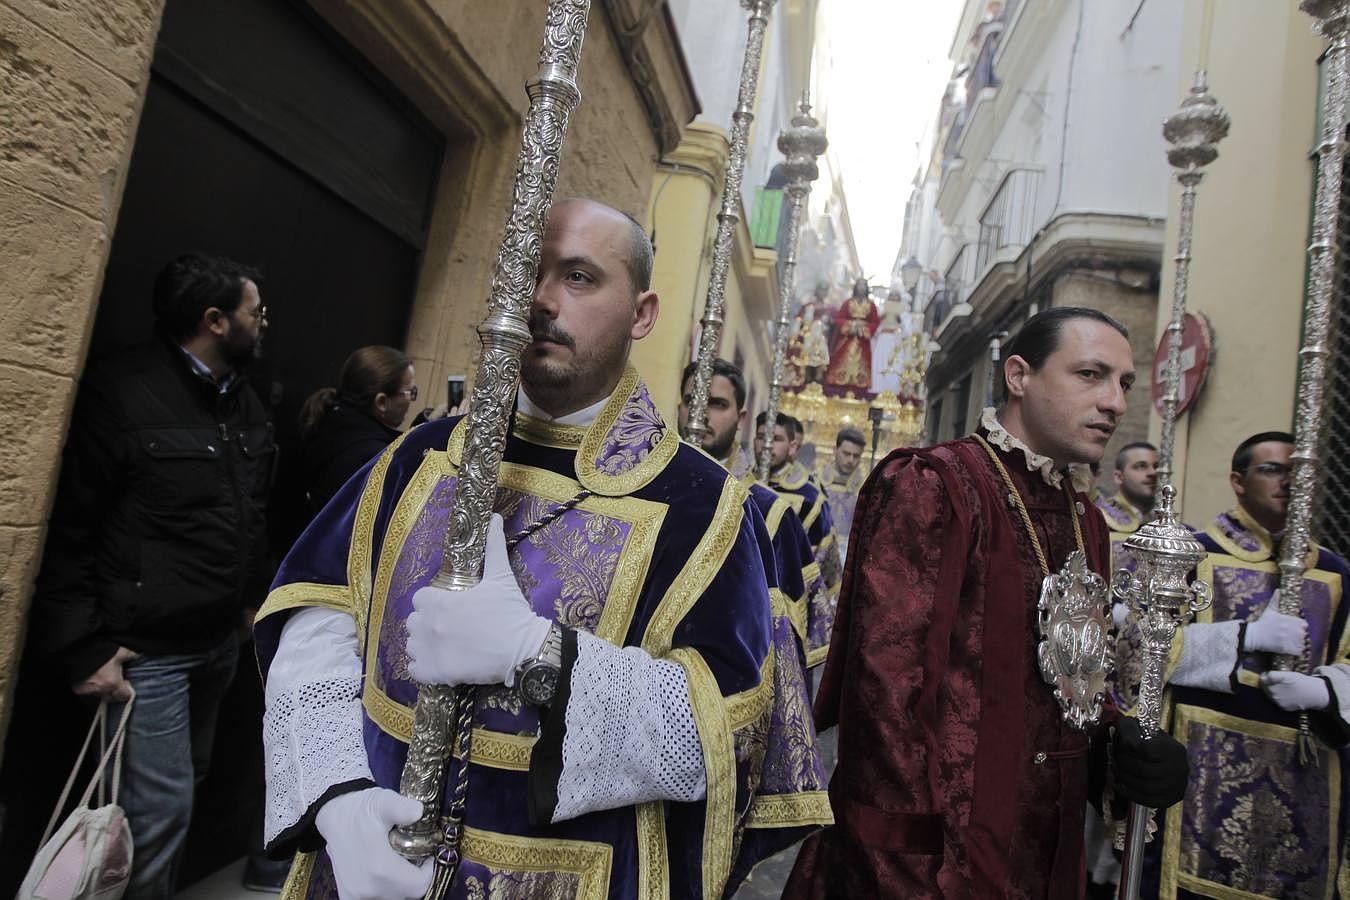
x,y
1046,186
1249,250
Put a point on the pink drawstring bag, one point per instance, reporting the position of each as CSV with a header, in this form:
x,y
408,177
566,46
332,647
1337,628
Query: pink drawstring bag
x,y
89,856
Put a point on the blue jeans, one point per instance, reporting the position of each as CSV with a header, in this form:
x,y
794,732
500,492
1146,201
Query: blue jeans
x,y
168,749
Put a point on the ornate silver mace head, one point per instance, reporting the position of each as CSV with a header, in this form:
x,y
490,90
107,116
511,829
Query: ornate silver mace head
x,y
1195,128
802,144
1331,15
1164,552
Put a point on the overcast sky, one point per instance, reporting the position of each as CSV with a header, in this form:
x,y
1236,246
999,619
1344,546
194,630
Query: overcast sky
x,y
890,68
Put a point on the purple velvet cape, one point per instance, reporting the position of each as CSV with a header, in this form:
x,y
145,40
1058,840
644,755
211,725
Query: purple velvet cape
x,y
1253,819
804,494
668,555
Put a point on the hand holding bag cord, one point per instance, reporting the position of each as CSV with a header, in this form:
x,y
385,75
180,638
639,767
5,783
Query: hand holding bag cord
x,y
89,856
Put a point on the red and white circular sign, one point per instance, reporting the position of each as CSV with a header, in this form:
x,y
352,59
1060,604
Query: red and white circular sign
x,y
1197,339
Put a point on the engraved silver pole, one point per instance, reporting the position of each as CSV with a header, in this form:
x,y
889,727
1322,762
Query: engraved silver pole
x,y
1163,549
1323,256
727,217
803,144
504,334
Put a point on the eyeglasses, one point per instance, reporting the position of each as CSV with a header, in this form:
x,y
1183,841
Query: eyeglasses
x,y
1272,470
411,392
259,314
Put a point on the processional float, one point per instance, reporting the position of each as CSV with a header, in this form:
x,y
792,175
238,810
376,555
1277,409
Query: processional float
x,y
1163,548
443,716
727,217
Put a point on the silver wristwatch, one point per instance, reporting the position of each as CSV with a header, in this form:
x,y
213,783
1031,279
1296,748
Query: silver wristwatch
x,y
537,678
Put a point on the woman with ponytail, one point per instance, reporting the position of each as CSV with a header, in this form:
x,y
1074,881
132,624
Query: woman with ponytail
x,y
342,428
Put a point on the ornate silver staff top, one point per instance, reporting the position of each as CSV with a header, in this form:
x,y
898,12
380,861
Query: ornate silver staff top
x,y
802,143
504,334
727,217
1192,132
1163,549
1309,409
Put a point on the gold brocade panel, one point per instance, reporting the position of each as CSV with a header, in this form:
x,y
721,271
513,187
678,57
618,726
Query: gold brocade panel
x,y
1253,823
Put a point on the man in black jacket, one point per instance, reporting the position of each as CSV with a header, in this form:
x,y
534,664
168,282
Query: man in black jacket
x,y
157,545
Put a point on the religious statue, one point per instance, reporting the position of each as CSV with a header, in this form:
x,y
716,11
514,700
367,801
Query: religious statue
x,y
851,352
794,367
817,349
887,345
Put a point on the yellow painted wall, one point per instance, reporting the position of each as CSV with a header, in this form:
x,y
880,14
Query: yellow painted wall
x,y
686,196
1250,239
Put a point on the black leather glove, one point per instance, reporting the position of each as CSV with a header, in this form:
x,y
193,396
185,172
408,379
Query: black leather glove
x,y
1151,773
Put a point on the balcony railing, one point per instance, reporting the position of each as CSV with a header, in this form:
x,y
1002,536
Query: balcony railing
x,y
1010,219
959,276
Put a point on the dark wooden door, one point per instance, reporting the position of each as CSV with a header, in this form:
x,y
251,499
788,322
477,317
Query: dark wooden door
x,y
264,138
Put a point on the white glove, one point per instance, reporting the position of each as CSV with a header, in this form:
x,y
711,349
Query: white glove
x,y
1294,691
356,827
478,636
1276,632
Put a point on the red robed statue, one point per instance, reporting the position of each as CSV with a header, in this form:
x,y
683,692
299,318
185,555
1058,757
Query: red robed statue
x,y
851,352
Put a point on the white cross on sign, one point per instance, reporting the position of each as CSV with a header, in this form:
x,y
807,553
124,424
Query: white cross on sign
x,y
1187,365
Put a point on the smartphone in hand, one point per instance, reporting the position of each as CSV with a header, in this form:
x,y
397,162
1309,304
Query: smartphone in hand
x,y
454,391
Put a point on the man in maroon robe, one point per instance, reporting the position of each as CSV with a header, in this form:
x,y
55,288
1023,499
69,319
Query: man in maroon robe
x,y
957,775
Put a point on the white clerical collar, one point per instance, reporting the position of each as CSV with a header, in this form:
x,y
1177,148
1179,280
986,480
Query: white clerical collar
x,y
999,436
581,417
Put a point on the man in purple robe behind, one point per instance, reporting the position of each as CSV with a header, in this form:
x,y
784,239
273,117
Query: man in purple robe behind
x,y
676,749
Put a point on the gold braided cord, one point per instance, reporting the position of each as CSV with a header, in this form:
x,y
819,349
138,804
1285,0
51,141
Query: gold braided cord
x,y
1016,496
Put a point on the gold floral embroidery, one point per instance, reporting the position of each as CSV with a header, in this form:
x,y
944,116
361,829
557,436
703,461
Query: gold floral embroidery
x,y
653,864
1248,815
585,865
790,810
305,593
297,879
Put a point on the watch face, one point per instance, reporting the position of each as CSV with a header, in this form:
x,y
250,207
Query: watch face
x,y
538,683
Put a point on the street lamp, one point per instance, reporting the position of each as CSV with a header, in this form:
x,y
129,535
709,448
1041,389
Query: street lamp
x,y
910,270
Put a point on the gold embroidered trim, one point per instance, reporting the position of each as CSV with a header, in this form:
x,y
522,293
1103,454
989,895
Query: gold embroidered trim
x,y
793,477
548,434
774,519
306,593
589,860
794,502
817,656
363,535
499,750
798,612
747,706
719,763
1172,877
810,518
698,571
643,516
641,474
297,879
790,810
1132,523
401,521
653,859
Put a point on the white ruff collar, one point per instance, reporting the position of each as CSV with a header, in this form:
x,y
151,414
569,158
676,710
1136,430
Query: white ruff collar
x,y
1080,474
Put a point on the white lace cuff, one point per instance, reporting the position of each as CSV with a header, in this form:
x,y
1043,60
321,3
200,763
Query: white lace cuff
x,y
312,727
1208,656
311,742
630,736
